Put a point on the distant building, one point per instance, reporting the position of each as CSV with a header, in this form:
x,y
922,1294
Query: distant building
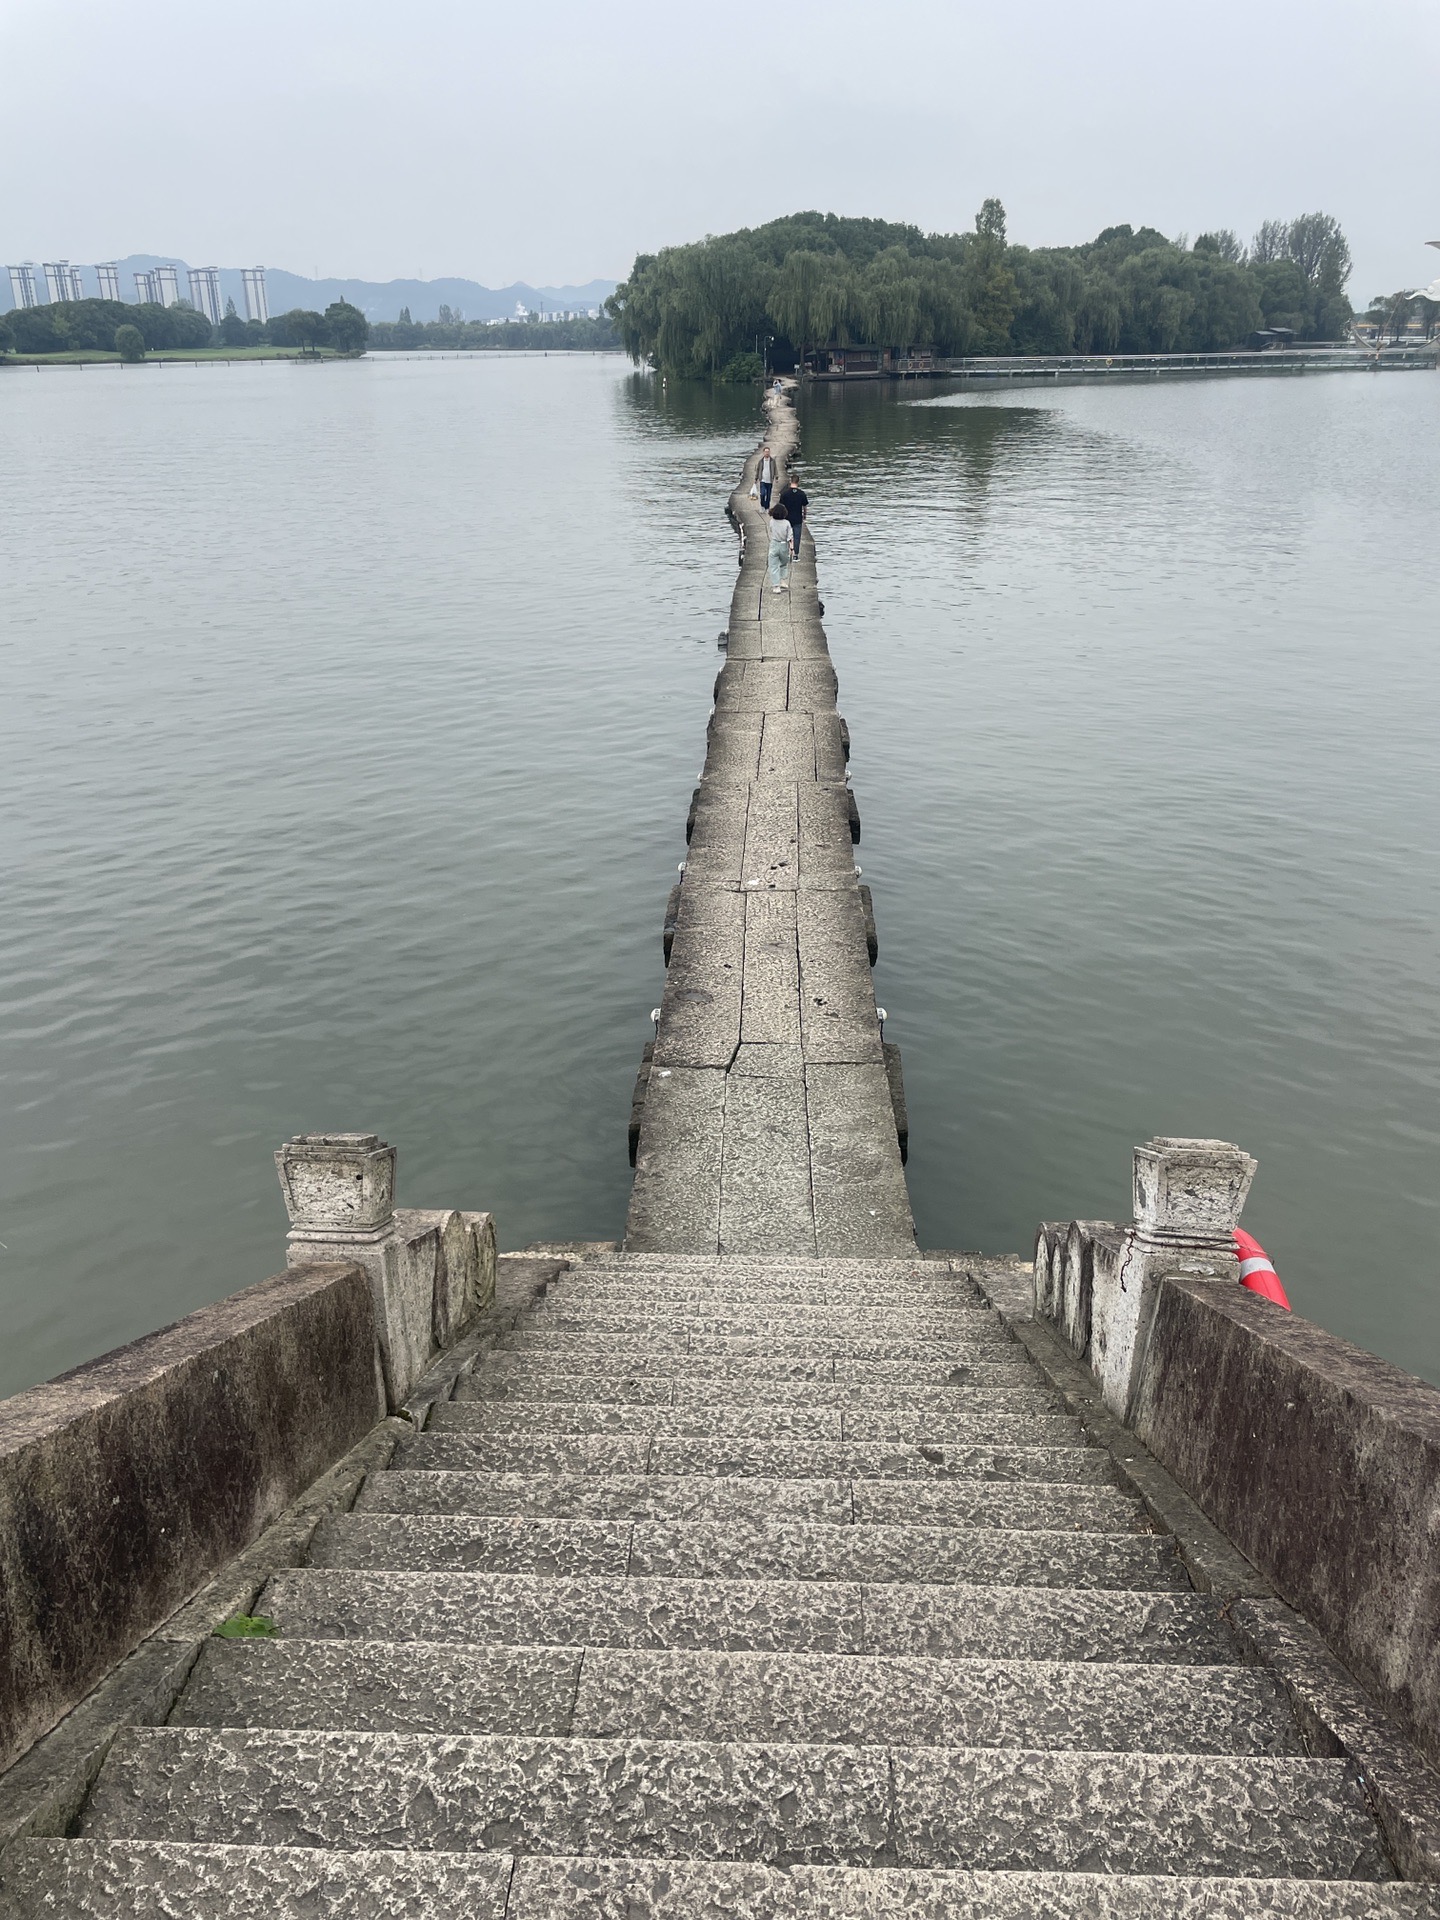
x,y
23,289
63,280
205,293
167,285
257,303
146,291
108,274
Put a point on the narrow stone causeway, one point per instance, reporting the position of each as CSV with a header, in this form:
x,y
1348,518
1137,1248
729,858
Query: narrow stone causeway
x,y
769,1121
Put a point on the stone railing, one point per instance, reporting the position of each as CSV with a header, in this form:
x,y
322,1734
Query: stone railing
x,y
1318,1460
129,1482
430,1272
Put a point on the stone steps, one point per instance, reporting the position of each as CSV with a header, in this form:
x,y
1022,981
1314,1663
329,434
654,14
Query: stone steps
x,y
138,1880
812,1699
908,1621
562,1313
942,1458
719,1371
778,1803
691,1608
538,1391
702,1548
793,1456
658,1496
660,1348
744,1419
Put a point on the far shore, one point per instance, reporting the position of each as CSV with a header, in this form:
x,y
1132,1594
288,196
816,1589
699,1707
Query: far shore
x,y
92,357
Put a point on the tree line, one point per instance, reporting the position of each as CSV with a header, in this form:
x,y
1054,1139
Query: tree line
x,y
458,335
97,326
714,306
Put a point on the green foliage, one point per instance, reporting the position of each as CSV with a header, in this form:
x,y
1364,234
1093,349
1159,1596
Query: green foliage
x,y
90,324
742,368
233,331
302,327
811,279
129,343
245,1626
346,328
465,336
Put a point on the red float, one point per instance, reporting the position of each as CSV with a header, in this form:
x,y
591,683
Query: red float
x,y
1256,1271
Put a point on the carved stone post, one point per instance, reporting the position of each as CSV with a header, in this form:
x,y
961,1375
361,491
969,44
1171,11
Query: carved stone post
x,y
431,1271
1188,1199
339,1192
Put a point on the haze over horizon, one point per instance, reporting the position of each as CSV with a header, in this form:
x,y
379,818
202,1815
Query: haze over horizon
x,y
348,141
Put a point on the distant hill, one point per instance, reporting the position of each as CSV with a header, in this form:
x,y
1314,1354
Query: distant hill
x,y
377,300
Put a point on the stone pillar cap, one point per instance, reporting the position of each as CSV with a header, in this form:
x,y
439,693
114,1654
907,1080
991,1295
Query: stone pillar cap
x,y
338,1186
1190,1190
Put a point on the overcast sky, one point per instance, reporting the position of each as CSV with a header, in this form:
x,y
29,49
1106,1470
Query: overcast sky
x,y
550,143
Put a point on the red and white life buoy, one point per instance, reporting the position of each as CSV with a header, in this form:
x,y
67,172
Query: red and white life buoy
x,y
1256,1271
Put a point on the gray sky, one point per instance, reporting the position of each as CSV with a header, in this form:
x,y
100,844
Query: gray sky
x,y
550,143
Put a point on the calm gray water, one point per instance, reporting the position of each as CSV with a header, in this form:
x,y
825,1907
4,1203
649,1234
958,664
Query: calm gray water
x,y
352,714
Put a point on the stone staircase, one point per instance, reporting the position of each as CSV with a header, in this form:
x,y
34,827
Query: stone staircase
x,y
761,1588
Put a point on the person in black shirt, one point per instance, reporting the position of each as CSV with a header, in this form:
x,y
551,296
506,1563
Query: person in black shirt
x,y
795,503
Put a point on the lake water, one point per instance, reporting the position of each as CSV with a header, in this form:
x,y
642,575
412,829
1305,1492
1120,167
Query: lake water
x,y
353,712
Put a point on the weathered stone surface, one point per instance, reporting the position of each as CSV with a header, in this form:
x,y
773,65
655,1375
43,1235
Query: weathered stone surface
x,y
430,1542
599,1889
828,1699
1133,1813
1018,1811
159,1880
528,1609
503,1793
1040,1623
924,1555
1325,1471
550,1416
125,1483
381,1686
598,1496
676,1197
861,1201
765,1198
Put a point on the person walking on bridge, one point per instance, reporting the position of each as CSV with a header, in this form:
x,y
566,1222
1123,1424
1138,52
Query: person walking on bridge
x,y
782,549
795,502
765,475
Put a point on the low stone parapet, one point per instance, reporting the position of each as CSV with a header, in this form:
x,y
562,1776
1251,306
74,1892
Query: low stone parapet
x,y
1321,1462
1318,1461
127,1482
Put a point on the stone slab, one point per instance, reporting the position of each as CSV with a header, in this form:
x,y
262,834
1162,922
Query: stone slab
x,y
144,1880
765,1168
601,1496
382,1686
1063,1707
602,1889
429,1543
930,1556
861,1200
530,1609
675,1200
797,1804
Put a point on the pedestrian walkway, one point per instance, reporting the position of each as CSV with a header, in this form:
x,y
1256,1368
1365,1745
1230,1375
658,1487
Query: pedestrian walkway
x,y
765,1588
770,1119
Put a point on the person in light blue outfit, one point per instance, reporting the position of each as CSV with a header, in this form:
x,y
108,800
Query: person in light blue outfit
x,y
782,549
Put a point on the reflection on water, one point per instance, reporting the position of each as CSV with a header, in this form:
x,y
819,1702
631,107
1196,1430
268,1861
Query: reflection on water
x,y
354,712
